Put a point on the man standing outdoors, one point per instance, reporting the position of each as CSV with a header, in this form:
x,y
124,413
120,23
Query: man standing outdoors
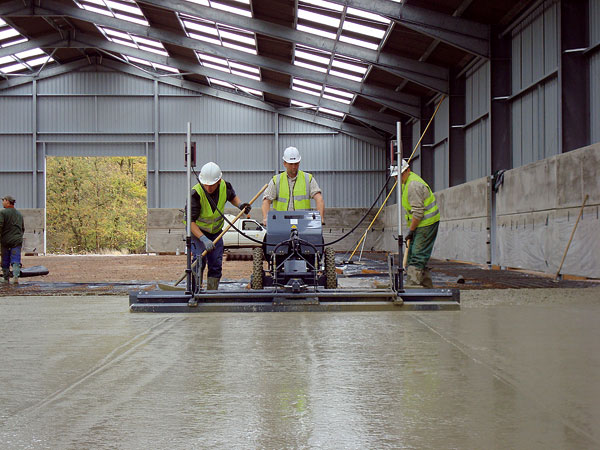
x,y
292,190
423,219
208,201
11,240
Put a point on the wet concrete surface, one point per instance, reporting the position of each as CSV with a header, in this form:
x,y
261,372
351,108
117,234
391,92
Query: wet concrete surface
x,y
513,369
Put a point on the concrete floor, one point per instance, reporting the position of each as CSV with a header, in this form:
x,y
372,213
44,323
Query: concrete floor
x,y
515,368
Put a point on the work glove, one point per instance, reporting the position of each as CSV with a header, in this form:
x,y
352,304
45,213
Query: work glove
x,y
410,236
245,207
208,244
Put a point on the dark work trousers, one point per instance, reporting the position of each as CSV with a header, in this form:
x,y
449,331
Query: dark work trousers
x,y
213,259
421,247
10,256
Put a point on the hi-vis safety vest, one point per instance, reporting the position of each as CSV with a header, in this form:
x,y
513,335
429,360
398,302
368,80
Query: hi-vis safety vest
x,y
209,220
301,193
432,213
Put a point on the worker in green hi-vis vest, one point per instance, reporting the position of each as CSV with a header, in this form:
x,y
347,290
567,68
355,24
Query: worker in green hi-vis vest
x,y
208,202
292,190
423,219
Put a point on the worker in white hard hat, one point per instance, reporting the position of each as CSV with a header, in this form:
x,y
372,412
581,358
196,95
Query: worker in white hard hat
x,y
208,201
423,219
292,190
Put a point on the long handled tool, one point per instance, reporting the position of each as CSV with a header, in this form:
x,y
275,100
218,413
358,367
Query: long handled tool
x,y
218,238
405,259
557,277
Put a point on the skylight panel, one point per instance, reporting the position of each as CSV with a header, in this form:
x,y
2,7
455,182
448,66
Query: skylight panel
x,y
157,67
346,75
368,16
363,29
242,7
307,84
233,67
9,36
324,59
318,18
120,9
318,32
302,105
218,34
310,66
131,40
331,112
325,4
26,60
359,42
236,87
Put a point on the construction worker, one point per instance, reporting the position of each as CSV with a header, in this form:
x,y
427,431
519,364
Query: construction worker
x,y
423,219
302,186
11,240
208,200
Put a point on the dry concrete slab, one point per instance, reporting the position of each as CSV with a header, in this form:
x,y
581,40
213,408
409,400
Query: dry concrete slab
x,y
515,368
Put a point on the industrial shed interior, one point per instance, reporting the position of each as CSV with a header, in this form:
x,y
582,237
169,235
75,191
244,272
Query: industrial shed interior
x,y
513,88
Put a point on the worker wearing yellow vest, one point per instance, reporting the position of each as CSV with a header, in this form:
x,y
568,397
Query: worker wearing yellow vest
x,y
208,198
301,185
423,219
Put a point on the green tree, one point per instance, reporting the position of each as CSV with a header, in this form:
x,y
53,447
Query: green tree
x,y
95,204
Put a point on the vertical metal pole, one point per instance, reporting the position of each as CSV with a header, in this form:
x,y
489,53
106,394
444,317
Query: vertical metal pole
x,y
188,218
34,184
156,148
399,205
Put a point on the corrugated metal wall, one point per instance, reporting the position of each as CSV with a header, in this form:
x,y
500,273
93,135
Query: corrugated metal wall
x,y
416,135
535,107
441,166
477,107
595,70
110,113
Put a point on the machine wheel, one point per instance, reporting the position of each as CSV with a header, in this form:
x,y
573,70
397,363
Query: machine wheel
x,y
256,281
330,273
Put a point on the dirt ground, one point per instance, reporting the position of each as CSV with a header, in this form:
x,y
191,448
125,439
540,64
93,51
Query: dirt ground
x,y
100,268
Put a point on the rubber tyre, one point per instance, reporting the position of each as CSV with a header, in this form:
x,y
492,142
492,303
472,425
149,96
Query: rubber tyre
x,y
330,273
256,281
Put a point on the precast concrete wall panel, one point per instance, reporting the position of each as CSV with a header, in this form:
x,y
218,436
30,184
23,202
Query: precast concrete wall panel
x,y
17,114
537,207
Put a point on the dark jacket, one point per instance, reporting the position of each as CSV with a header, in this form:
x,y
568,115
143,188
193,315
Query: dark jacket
x,y
11,227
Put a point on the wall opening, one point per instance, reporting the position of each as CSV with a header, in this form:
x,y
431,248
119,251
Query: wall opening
x,y
96,205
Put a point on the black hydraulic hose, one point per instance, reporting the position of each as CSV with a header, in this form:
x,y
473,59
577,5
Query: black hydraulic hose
x,y
314,245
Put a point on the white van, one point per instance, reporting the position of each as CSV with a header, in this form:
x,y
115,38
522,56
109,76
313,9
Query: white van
x,y
250,227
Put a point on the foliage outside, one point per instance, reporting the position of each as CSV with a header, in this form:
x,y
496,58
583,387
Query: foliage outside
x,y
94,205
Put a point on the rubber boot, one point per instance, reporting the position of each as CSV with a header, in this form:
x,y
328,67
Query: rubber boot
x,y
413,278
16,272
212,284
427,282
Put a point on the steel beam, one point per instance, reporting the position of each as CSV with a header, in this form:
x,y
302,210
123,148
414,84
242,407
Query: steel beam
x,y
404,103
467,35
425,74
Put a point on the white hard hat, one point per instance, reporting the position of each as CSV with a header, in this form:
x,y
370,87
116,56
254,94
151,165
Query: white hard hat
x,y
210,173
291,155
404,165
